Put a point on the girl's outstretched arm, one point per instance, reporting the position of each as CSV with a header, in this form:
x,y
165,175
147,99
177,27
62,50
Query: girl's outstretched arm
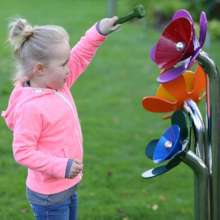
x,y
83,52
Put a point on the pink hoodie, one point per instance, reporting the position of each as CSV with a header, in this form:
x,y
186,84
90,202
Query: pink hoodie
x,y
45,124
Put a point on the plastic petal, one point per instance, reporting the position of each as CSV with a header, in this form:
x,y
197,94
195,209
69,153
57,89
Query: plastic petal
x,y
157,104
203,28
166,52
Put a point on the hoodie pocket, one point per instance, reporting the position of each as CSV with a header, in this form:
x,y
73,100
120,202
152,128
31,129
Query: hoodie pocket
x,y
59,152
66,152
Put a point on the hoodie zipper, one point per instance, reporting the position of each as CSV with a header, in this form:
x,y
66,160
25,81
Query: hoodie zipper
x,y
66,101
71,107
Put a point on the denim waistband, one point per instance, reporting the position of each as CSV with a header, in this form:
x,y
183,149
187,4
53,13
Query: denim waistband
x,y
52,199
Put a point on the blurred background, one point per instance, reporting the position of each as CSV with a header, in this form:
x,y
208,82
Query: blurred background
x,y
115,126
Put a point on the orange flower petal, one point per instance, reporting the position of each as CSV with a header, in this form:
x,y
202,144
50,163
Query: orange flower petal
x,y
177,88
189,79
157,104
199,84
163,93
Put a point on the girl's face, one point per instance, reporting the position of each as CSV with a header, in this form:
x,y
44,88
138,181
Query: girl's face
x,y
57,69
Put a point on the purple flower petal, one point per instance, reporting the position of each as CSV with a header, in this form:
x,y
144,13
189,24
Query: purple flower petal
x,y
193,57
203,28
152,53
182,13
171,74
196,43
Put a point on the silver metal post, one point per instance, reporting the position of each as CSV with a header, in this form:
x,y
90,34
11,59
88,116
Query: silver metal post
x,y
191,108
112,8
201,182
213,117
197,162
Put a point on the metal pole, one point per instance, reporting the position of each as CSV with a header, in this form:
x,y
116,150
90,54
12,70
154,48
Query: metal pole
x,y
197,162
213,117
201,182
191,108
111,8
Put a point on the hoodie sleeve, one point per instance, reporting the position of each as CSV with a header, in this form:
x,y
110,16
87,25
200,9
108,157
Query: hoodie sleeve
x,y
26,133
82,53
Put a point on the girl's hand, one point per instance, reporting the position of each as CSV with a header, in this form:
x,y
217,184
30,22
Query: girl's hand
x,y
106,25
76,168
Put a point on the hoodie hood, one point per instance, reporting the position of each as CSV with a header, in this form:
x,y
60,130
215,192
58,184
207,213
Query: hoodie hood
x,y
18,97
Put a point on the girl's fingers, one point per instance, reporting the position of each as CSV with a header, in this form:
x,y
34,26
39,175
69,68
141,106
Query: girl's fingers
x,y
113,20
116,27
75,173
77,161
76,168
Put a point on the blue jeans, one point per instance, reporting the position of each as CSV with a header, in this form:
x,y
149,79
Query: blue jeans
x,y
65,211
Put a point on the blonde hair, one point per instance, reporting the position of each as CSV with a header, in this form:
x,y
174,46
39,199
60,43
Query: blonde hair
x,y
32,44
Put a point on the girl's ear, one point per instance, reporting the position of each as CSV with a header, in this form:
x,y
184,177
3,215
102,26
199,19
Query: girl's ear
x,y
39,69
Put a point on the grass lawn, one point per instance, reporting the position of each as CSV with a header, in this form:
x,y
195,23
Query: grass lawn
x,y
116,128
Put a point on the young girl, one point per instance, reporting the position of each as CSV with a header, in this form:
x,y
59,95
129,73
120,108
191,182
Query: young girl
x,y
42,115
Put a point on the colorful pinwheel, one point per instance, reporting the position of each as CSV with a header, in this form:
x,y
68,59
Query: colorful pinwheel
x,y
178,46
170,96
169,147
171,141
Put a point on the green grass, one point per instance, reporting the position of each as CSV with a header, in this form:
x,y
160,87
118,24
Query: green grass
x,y
116,128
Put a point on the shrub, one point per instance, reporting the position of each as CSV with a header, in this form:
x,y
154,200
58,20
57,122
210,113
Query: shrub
x,y
214,29
160,12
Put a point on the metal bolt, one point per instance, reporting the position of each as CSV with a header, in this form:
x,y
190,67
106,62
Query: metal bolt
x,y
180,46
168,144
